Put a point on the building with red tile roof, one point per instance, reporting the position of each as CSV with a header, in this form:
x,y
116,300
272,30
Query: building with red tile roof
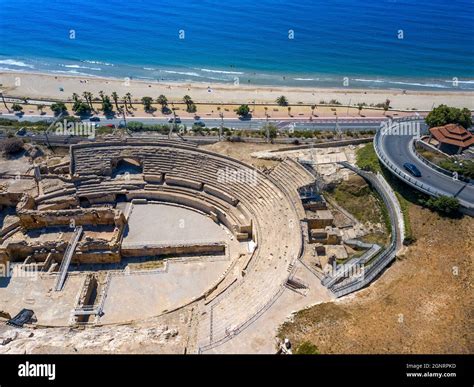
x,y
451,138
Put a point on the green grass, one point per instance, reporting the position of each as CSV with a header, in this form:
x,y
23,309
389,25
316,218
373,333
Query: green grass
x,y
367,158
359,199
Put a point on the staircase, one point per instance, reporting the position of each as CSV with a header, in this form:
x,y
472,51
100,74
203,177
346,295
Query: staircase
x,y
71,247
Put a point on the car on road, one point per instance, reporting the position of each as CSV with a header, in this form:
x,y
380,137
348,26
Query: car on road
x,y
200,124
21,132
94,119
412,169
177,120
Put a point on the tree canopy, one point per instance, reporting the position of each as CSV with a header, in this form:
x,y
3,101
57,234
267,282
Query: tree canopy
x,y
282,101
243,110
443,115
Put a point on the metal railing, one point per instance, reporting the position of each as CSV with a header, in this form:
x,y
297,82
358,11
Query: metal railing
x,y
71,247
425,188
381,261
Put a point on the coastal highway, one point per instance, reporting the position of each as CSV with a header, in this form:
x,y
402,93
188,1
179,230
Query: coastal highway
x,y
235,123
398,150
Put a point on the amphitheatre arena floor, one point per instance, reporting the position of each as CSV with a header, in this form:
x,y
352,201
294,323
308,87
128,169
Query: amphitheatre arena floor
x,y
166,223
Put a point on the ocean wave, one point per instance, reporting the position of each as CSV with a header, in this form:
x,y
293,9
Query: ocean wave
x,y
73,72
12,62
221,71
368,80
98,62
190,74
81,67
12,70
149,68
471,82
432,85
306,79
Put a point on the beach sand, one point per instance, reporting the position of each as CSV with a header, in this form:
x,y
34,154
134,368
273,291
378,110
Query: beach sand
x,y
47,86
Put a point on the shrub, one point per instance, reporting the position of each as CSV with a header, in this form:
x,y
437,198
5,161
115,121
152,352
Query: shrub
x,y
11,145
17,108
58,108
243,110
444,204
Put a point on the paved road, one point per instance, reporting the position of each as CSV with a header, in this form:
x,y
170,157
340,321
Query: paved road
x,y
251,124
398,150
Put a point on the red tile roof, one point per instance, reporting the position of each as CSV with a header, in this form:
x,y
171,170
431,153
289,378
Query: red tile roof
x,y
453,134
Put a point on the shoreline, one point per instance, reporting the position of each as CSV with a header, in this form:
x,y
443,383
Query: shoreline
x,y
43,86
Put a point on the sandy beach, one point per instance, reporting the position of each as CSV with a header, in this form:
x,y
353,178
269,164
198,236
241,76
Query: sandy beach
x,y
48,86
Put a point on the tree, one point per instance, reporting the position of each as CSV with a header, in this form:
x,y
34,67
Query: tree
x,y
187,100
75,97
17,108
81,108
282,101
386,106
147,101
271,131
40,108
445,204
4,103
128,98
163,101
289,111
115,98
243,110
88,97
443,115
312,109
360,107
58,108
191,108
107,107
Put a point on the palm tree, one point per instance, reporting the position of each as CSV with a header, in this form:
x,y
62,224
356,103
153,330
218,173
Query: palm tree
x,y
115,98
4,103
162,100
360,107
40,108
75,97
282,101
289,111
312,109
187,100
386,106
147,101
128,97
102,95
88,97
125,100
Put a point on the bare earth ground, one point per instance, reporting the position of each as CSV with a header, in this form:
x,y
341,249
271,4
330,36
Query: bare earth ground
x,y
243,152
418,305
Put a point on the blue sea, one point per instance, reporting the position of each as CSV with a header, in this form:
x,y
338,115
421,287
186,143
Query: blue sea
x,y
402,44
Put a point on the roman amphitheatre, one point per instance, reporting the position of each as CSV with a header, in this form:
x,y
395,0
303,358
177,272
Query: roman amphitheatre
x,y
136,244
